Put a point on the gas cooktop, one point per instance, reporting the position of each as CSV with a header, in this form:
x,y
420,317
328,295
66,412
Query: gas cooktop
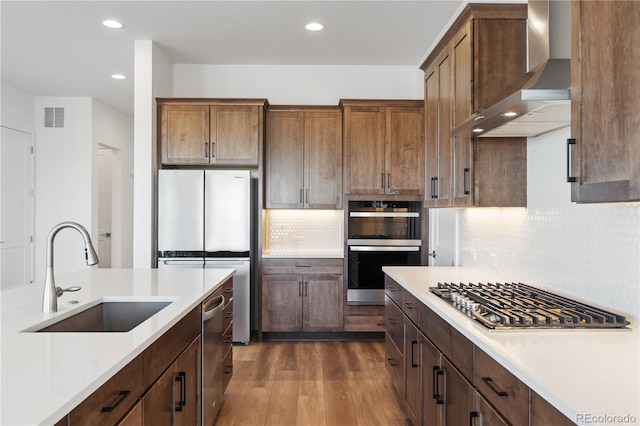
x,y
520,306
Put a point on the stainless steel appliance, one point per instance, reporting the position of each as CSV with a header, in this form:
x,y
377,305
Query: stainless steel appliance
x,y
502,306
204,221
380,233
212,348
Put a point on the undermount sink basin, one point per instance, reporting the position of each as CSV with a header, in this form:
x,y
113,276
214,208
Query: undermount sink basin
x,y
111,316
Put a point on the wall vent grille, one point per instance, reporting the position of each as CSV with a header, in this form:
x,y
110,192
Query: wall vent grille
x,y
53,117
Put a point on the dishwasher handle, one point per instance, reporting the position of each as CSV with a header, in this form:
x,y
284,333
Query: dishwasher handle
x,y
212,307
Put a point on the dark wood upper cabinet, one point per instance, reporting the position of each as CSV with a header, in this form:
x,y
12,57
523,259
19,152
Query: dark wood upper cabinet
x,y
303,157
476,63
605,124
211,131
383,147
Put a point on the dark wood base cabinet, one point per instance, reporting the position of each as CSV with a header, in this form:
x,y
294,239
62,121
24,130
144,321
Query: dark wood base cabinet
x,y
444,379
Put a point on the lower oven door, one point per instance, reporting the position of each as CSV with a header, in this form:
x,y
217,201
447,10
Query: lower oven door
x,y
366,279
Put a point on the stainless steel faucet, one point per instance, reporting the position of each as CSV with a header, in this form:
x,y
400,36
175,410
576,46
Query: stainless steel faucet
x,y
51,292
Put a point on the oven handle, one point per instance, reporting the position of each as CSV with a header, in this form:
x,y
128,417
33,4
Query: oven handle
x,y
384,248
384,214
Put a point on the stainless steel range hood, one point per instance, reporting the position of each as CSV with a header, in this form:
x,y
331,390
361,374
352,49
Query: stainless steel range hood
x,y
544,102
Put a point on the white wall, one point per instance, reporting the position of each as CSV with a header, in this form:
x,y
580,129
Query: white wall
x,y
64,159
153,76
298,85
588,252
114,129
16,110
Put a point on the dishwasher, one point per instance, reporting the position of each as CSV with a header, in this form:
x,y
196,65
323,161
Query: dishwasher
x,y
212,348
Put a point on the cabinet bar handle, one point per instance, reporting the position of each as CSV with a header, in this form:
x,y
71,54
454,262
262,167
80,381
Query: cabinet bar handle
x,y
390,288
206,149
434,187
306,289
473,415
570,141
414,364
392,362
306,195
299,288
382,179
465,180
388,180
122,395
301,199
213,150
409,305
181,377
489,382
437,372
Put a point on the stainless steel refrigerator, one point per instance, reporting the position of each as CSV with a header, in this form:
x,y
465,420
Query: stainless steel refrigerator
x,y
204,221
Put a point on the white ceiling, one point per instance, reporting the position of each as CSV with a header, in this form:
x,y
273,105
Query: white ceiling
x,y
60,48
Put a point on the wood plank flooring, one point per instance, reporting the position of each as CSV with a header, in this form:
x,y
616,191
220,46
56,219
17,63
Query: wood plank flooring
x,y
310,384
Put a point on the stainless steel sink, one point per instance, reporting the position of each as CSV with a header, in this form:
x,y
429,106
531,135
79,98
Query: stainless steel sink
x,y
112,316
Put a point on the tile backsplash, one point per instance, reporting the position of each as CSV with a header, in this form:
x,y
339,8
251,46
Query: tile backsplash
x,y
590,252
303,232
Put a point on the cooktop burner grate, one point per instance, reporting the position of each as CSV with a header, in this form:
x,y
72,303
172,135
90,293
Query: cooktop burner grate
x,y
517,305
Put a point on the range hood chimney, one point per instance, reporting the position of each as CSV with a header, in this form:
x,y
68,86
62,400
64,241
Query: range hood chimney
x,y
544,101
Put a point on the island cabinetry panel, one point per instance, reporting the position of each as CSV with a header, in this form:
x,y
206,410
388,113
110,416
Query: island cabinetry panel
x,y
227,335
302,295
174,399
543,413
134,417
604,153
303,157
211,131
482,54
383,147
113,399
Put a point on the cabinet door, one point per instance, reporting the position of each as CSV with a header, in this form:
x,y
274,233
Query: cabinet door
x,y
281,302
323,160
485,415
543,413
284,159
462,172
235,135
412,391
604,99
458,400
323,302
438,106
184,134
404,150
432,383
364,143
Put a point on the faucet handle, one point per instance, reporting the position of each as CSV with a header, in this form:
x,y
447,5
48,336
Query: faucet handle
x,y
60,290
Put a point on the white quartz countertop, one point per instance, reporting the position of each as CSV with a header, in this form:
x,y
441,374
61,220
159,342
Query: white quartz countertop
x,y
45,375
591,376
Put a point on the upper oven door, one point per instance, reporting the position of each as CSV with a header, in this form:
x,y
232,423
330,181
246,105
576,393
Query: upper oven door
x,y
374,223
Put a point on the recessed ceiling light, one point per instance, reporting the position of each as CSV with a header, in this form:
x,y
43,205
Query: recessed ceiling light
x,y
510,114
314,26
118,76
110,23
478,130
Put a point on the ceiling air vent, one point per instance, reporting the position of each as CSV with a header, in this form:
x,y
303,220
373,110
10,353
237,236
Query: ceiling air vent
x,y
53,117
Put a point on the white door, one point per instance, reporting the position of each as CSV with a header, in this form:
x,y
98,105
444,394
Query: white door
x,y
105,156
16,208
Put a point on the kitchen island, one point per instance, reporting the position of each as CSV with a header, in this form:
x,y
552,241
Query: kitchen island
x,y
45,375
591,376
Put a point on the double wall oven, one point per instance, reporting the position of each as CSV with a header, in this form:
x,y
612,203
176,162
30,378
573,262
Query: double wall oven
x,y
380,233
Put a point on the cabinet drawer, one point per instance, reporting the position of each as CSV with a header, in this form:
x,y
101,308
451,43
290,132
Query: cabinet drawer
x,y
393,290
227,369
111,401
410,305
502,389
394,362
169,346
394,322
327,266
543,413
227,315
227,290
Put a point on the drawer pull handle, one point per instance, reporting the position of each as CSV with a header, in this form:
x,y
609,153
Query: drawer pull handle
x,y
409,305
473,415
414,364
228,370
392,362
122,395
465,180
493,387
570,178
392,288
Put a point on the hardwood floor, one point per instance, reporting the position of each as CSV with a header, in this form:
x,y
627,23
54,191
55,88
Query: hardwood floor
x,y
309,384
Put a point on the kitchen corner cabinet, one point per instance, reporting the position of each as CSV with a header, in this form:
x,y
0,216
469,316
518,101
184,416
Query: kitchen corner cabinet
x,y
302,295
211,131
303,157
383,147
481,55
605,124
